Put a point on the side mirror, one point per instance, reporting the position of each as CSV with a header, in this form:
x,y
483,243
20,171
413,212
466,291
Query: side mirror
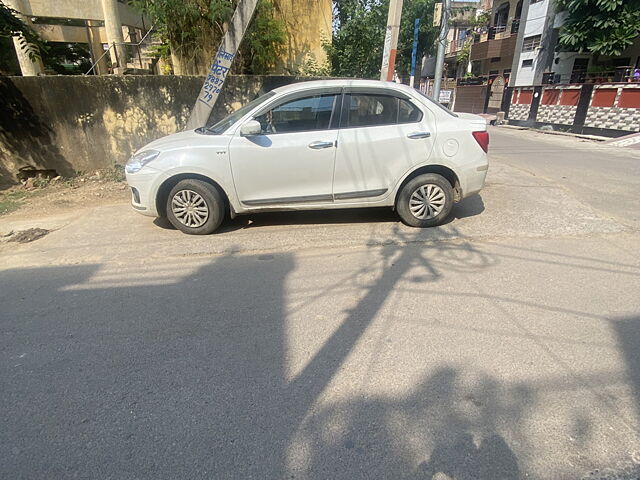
x,y
252,127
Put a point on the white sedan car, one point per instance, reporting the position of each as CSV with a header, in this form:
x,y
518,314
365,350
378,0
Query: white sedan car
x,y
312,146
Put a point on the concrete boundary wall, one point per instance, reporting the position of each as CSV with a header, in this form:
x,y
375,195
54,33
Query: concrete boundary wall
x,y
73,124
610,109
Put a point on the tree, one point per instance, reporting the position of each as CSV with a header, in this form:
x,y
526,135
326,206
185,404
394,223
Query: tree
x,y
358,36
193,29
359,30
604,27
12,26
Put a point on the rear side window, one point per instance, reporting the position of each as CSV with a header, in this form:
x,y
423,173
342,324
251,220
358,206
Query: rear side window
x,y
407,113
299,115
366,110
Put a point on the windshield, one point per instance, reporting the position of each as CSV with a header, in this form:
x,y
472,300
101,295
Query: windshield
x,y
229,120
438,104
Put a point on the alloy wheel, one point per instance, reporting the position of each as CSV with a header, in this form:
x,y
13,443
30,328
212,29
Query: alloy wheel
x,y
190,208
427,201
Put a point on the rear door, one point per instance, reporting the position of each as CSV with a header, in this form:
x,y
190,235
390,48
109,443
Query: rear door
x,y
382,135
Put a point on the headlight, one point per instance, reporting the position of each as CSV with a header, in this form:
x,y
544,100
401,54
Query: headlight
x,y
139,160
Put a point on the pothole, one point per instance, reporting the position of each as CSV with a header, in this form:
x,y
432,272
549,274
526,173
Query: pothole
x,y
27,236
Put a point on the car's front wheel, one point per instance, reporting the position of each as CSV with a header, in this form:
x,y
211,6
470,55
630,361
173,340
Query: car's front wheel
x,y
195,207
425,201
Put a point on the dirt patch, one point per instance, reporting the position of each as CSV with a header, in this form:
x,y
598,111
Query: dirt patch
x,y
27,236
86,191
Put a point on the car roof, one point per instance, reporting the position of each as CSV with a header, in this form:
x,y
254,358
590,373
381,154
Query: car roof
x,y
346,82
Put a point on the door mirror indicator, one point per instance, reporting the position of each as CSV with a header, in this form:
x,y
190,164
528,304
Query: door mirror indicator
x,y
250,128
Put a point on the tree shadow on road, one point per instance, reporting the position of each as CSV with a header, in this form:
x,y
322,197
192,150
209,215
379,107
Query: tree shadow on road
x,y
183,369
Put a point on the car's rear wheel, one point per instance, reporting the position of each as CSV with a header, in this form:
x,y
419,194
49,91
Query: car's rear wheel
x,y
425,201
195,207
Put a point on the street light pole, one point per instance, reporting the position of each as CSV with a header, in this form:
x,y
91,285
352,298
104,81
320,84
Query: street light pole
x,y
442,45
414,51
391,40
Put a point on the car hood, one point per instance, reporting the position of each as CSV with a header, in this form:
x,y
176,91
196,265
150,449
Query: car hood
x,y
187,139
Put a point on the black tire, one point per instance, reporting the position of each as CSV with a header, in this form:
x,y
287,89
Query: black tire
x,y
190,224
404,198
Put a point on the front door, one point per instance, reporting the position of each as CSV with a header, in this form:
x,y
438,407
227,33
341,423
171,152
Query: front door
x,y
381,138
292,161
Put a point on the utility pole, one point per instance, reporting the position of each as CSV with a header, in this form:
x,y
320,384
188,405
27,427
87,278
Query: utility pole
x,y
442,45
391,40
221,64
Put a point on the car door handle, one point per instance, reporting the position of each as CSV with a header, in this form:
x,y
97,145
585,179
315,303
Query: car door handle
x,y
415,135
319,145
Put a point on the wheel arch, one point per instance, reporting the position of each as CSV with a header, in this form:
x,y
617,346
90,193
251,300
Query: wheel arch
x,y
166,186
442,170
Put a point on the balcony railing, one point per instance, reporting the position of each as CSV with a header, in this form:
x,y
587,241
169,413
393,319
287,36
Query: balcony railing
x,y
457,45
622,74
498,32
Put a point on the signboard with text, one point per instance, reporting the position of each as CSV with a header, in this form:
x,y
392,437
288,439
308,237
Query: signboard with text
x,y
445,96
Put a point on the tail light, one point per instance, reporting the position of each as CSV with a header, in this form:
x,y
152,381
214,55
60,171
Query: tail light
x,y
483,140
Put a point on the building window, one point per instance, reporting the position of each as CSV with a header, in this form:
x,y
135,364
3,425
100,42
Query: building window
x,y
531,43
527,63
495,59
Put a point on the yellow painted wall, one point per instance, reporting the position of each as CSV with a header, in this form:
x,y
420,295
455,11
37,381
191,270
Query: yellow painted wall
x,y
307,22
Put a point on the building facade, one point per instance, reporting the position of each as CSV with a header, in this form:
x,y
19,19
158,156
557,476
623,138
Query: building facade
x,y
494,46
113,31
98,23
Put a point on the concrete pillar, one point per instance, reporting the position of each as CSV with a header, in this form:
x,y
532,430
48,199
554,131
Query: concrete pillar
x,y
113,28
27,66
97,50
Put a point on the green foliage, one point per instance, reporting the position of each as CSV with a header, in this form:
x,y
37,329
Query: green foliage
x,y
483,19
8,60
359,30
11,26
356,46
191,28
67,58
264,39
604,27
464,53
311,68
10,201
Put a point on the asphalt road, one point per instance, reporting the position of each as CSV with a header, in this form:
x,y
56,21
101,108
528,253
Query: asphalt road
x,y
502,345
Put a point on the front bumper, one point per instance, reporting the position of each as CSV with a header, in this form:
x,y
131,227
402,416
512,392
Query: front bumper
x,y
143,185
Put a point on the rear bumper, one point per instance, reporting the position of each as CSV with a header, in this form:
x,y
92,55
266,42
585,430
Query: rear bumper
x,y
474,176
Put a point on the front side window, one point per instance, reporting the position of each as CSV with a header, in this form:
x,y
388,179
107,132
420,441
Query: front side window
x,y
228,121
366,110
299,115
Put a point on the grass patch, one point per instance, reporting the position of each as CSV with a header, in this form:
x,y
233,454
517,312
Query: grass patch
x,y
11,201
114,174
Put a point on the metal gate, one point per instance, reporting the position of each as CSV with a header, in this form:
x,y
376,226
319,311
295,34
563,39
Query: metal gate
x,y
470,98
